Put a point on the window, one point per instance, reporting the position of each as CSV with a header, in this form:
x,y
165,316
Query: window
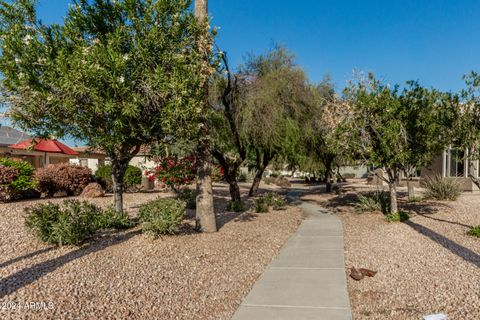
x,y
84,162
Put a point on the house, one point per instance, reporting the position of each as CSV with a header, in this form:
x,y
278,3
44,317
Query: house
x,y
18,145
455,163
89,157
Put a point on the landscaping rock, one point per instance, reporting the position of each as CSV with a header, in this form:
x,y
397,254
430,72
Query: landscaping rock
x,y
93,190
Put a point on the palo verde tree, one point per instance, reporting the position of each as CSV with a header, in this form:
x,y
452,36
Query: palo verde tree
x,y
116,74
274,105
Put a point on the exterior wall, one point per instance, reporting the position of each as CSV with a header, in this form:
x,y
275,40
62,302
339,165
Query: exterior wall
x,y
142,162
436,168
360,171
93,164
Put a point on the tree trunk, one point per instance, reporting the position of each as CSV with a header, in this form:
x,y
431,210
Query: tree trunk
x,y
234,191
411,190
393,197
205,211
328,176
118,173
256,182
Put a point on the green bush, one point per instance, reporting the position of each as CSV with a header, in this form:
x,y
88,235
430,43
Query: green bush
x,y
16,177
133,177
474,231
235,206
242,177
440,188
189,196
261,205
162,216
275,200
71,223
374,201
112,219
400,216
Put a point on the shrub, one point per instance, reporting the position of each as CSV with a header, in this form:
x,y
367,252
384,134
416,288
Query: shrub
x,y
235,206
474,231
173,172
371,202
16,177
133,177
440,188
261,205
71,223
112,219
242,177
415,199
274,200
189,196
400,216
71,179
162,216
282,182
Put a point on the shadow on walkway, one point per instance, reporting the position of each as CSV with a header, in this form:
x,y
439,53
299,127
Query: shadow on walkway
x,y
31,274
464,253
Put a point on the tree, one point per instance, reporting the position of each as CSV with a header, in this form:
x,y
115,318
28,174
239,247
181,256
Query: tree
x,y
230,147
275,103
399,130
116,74
428,116
325,130
205,209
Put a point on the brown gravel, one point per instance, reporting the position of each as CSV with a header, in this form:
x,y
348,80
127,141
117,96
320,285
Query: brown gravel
x,y
130,275
427,265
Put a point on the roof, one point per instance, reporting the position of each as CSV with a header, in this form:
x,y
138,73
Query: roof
x,y
9,135
44,145
89,150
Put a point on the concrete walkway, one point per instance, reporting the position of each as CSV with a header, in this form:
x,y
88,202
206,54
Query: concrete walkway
x,y
307,279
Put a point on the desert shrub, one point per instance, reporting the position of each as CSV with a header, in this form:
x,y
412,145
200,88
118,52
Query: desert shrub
x,y
282,182
440,188
162,216
71,179
70,223
242,177
16,178
474,231
133,177
112,219
261,205
371,202
275,200
399,216
235,206
189,196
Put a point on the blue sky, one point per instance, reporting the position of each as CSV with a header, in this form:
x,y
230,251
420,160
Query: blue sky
x,y
435,42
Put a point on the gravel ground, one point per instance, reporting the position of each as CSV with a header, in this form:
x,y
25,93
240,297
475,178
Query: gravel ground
x,y
128,275
427,265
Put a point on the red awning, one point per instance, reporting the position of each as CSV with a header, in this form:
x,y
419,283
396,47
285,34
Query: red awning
x,y
44,145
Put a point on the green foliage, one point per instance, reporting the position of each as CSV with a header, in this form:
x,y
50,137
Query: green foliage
x,y
372,202
235,206
275,200
271,199
261,206
397,217
242,177
133,177
474,231
24,174
69,224
162,216
440,188
115,74
112,219
189,196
